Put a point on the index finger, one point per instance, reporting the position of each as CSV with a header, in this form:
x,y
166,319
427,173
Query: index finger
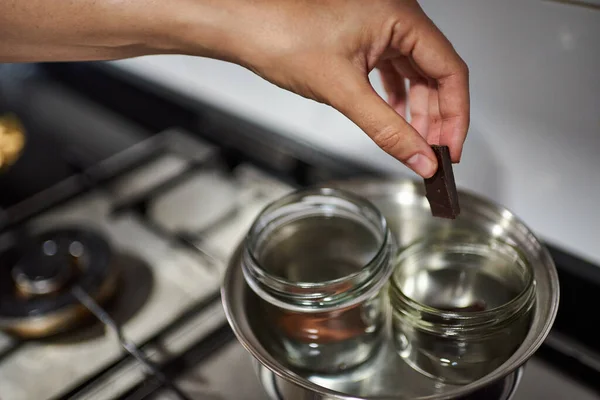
x,y
437,59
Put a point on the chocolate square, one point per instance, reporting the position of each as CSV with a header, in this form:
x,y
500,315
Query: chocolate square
x,y
440,189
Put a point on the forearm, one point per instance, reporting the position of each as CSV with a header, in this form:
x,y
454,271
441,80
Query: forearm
x,y
49,30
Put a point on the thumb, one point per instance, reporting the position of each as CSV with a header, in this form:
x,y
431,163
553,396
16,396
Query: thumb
x,y
353,95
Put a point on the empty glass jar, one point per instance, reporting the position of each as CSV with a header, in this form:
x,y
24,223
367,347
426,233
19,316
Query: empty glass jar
x,y
461,305
319,259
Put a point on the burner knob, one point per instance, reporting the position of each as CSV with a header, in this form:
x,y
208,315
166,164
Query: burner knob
x,y
46,271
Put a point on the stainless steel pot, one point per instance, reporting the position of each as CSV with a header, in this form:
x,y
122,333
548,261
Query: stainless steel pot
x,y
406,209
280,389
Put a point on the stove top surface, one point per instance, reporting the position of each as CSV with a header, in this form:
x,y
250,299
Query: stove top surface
x,y
162,333
170,250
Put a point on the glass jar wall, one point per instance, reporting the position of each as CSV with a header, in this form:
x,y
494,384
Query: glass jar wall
x,y
461,305
319,259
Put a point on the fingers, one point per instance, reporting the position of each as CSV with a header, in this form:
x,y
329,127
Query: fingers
x,y
393,83
454,110
418,95
352,94
435,117
418,98
433,54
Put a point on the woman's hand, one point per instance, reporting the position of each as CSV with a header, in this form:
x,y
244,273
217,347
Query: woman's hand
x,y
324,50
320,49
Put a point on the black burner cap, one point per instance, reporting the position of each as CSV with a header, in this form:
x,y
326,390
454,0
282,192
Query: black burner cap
x,y
60,257
47,267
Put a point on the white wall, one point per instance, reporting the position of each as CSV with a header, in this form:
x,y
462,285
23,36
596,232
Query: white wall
x,y
534,139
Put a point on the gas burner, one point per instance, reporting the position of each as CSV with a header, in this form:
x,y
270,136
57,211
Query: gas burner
x,y
37,278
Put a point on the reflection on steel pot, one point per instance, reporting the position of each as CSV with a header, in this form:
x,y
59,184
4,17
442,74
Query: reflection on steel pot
x,y
282,389
387,375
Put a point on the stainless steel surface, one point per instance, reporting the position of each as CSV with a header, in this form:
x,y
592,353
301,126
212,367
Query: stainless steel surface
x,y
212,380
88,302
129,373
195,205
384,376
278,389
155,172
162,282
255,190
407,211
226,375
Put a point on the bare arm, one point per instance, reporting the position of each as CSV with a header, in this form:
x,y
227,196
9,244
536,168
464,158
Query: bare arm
x,y
78,30
320,49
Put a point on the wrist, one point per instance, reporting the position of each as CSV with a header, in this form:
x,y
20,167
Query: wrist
x,y
195,27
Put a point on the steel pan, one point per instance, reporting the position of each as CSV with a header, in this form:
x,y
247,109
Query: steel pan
x,y
406,209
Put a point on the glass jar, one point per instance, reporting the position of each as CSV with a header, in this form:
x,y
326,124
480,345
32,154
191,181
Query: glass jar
x,y
318,259
461,305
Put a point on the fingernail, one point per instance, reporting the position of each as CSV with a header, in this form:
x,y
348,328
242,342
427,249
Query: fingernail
x,y
421,165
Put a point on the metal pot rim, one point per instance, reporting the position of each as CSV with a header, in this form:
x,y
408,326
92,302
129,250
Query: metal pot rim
x,y
545,309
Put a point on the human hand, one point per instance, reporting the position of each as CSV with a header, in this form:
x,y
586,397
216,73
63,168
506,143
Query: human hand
x,y
325,49
320,49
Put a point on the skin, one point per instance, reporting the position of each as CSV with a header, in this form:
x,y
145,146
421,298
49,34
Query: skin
x,y
320,49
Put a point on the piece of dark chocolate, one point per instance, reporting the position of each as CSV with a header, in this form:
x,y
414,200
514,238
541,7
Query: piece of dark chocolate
x,y
440,189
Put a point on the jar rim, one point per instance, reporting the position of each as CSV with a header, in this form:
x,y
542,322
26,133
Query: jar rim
x,y
330,192
356,280
513,304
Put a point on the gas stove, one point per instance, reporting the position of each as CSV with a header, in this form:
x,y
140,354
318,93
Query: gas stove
x,y
110,264
143,253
